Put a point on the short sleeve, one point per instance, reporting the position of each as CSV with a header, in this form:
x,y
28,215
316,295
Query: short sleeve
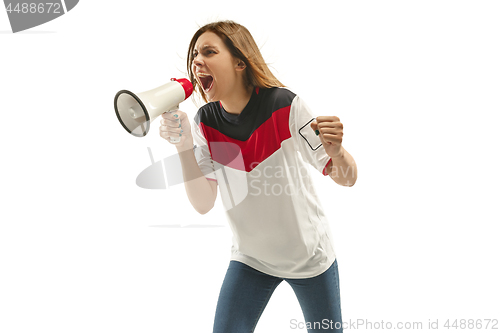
x,y
305,140
202,152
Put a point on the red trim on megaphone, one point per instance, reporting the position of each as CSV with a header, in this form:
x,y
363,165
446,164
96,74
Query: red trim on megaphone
x,y
186,84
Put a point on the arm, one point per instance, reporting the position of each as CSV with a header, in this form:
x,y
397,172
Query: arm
x,y
342,167
200,191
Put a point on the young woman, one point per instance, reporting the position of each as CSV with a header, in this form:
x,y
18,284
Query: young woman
x,y
253,139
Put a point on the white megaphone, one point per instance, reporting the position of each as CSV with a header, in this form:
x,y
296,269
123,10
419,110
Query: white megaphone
x,y
135,112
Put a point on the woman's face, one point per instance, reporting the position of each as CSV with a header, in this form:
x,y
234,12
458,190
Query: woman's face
x,y
214,67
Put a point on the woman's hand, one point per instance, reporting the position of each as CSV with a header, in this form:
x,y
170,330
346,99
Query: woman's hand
x,y
330,131
171,127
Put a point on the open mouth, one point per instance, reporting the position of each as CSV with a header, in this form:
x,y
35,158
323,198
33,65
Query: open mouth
x,y
206,80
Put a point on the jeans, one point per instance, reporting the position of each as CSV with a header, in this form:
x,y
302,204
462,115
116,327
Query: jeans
x,y
246,291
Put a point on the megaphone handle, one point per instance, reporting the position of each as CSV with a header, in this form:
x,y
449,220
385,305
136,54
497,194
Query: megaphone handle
x,y
175,139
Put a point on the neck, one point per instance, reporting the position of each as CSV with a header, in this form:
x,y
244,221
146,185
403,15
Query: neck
x,y
236,102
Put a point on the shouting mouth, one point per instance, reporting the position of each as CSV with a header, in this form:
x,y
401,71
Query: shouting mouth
x,y
206,80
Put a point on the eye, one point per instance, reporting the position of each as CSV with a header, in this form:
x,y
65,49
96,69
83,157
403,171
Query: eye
x,y
206,53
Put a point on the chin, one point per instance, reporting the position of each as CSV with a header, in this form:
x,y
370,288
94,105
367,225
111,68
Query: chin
x,y
211,98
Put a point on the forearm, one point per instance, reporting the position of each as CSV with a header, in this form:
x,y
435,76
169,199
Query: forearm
x,y
200,192
342,168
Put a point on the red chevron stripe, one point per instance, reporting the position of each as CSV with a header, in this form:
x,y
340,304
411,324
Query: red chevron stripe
x,y
263,142
325,173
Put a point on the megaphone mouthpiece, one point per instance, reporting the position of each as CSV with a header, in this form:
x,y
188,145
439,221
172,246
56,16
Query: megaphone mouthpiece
x,y
186,84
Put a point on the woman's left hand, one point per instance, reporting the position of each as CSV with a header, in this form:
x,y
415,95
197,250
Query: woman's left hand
x,y
330,131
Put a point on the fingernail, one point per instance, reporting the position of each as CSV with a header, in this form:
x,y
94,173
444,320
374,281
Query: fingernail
x,y
317,132
176,116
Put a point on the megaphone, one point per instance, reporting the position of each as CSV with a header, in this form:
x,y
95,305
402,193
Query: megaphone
x,y
135,112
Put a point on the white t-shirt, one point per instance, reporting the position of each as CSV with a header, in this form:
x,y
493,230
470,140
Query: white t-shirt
x,y
259,160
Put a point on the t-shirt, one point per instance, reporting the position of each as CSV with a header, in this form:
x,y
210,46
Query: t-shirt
x,y
260,159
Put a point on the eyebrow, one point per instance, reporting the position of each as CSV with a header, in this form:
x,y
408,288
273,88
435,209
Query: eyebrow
x,y
204,47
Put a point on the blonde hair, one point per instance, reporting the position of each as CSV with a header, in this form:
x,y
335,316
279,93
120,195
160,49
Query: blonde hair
x,y
242,46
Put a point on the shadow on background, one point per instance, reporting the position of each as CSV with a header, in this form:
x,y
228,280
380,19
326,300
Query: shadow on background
x,y
188,226
27,32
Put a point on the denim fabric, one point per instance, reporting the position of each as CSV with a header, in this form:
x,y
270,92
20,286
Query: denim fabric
x,y
246,291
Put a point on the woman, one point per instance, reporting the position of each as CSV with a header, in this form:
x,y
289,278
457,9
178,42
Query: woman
x,y
248,138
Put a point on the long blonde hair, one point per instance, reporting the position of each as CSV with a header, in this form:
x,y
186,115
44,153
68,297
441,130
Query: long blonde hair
x,y
242,46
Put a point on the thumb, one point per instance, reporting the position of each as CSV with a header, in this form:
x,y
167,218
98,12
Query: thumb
x,y
314,126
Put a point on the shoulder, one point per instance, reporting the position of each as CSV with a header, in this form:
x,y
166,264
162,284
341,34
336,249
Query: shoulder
x,y
276,98
205,112
279,95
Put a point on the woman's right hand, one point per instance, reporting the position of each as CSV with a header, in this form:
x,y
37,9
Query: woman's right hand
x,y
170,127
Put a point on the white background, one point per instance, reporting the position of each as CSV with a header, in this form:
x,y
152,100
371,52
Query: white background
x,y
416,84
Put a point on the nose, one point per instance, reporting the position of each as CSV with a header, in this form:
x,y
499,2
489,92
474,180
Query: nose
x,y
197,60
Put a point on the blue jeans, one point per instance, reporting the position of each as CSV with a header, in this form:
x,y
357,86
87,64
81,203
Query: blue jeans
x,y
246,291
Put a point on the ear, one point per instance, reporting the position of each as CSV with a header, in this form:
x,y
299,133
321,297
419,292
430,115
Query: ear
x,y
240,65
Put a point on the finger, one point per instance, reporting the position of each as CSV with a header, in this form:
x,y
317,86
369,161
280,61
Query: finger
x,y
331,130
177,114
167,115
173,131
168,135
165,135
180,139
321,119
173,115
332,138
168,138
170,123
314,125
330,124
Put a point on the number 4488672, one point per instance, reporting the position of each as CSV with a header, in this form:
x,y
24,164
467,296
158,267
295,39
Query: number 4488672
x,y
32,8
472,324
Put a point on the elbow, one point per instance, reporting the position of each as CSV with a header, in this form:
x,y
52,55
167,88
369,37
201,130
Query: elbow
x,y
204,210
203,204
348,184
345,182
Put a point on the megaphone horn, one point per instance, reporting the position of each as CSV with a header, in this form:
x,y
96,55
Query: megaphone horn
x,y
135,112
